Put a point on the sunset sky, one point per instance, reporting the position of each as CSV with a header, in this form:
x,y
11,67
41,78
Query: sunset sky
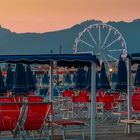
x,y
51,15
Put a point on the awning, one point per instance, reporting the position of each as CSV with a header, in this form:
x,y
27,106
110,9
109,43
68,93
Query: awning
x,y
134,57
62,59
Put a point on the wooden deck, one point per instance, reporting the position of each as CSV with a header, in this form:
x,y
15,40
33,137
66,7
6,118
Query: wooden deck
x,y
107,131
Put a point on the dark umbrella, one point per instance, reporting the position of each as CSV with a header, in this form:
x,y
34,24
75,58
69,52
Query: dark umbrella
x,y
9,78
114,79
68,79
137,77
121,75
20,86
81,78
2,86
104,82
45,79
30,79
34,78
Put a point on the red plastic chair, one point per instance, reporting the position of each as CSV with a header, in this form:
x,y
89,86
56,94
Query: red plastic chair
x,y
37,112
68,93
108,102
100,93
80,99
136,103
73,124
9,114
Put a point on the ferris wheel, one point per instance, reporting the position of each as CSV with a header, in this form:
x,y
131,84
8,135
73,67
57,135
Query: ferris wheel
x,y
103,40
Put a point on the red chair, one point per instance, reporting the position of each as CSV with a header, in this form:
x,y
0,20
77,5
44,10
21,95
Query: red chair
x,y
73,125
9,113
136,103
100,93
80,99
137,90
107,107
37,112
108,102
68,93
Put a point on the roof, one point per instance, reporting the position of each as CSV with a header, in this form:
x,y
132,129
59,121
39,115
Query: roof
x,y
46,58
135,58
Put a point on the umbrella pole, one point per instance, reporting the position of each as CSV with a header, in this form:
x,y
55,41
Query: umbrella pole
x,y
51,82
129,93
51,94
93,101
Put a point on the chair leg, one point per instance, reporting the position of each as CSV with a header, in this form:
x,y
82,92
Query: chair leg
x,y
63,133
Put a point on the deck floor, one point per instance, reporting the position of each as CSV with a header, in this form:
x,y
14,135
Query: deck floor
x,y
104,131
107,131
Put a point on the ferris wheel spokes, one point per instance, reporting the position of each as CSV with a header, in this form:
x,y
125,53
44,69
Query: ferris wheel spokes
x,y
92,37
113,57
115,50
112,43
106,38
87,43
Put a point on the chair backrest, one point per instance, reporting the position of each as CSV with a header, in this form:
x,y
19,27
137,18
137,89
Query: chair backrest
x,y
116,95
9,113
99,99
108,102
37,112
68,93
80,99
137,90
100,93
136,102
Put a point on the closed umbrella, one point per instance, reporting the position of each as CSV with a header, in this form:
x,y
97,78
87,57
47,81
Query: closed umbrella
x,y
121,75
68,79
2,86
81,76
9,78
45,79
20,85
31,85
114,80
137,77
104,82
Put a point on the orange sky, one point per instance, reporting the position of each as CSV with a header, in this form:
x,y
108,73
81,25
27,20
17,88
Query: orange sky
x,y
51,15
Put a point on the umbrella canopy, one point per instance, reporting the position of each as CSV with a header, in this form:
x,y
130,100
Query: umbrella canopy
x,y
45,79
9,78
31,85
20,85
81,76
121,75
114,80
2,86
137,77
34,78
68,79
104,82
74,78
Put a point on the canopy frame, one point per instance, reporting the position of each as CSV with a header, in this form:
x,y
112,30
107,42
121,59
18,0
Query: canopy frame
x,y
44,58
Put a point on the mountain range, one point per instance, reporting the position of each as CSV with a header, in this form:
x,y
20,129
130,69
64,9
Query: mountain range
x,y
50,42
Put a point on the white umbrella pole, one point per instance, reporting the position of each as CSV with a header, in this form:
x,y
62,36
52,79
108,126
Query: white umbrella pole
x,y
93,101
51,93
129,92
51,82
